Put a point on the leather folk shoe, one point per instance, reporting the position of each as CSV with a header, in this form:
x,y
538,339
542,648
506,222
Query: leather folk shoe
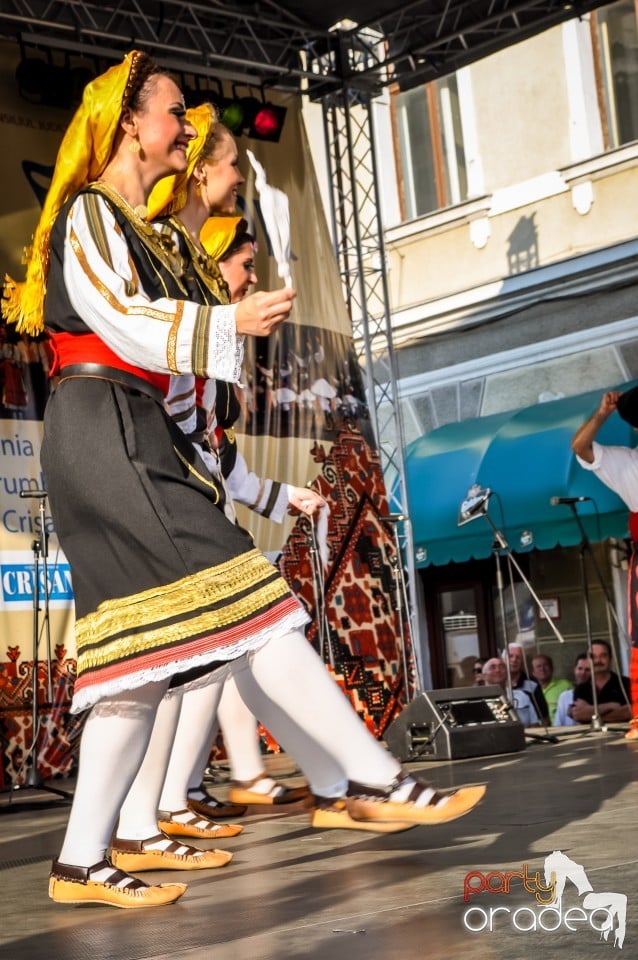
x,y
185,823
200,801
333,814
162,853
410,800
69,884
275,793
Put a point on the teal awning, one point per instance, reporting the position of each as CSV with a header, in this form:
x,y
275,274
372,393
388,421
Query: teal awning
x,y
525,458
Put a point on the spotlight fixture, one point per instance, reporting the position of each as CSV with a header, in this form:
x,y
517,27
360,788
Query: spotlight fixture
x,y
40,80
233,113
268,122
257,118
32,76
195,93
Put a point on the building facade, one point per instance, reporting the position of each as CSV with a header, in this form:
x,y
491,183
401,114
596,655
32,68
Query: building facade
x,y
510,191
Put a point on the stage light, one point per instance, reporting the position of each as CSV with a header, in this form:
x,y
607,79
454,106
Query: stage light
x,y
41,80
233,115
195,93
250,115
57,92
32,76
257,118
268,123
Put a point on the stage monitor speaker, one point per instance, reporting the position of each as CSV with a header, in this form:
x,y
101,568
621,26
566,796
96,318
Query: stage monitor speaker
x,y
455,723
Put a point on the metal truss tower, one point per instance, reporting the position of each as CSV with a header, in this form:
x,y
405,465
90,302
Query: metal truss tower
x,y
359,245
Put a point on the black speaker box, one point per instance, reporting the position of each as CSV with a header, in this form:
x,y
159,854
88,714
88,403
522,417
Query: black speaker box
x,y
455,723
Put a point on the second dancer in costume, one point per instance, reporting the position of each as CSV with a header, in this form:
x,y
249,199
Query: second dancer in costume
x,y
217,409
355,781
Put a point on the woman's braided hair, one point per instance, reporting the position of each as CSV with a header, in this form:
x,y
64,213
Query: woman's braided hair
x,y
136,90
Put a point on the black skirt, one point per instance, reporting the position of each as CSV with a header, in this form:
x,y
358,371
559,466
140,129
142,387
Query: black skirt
x,y
164,583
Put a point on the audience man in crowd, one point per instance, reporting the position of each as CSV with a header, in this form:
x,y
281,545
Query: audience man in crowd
x,y
612,691
582,674
552,687
495,673
527,687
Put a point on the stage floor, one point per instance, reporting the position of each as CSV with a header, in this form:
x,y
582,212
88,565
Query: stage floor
x,y
294,892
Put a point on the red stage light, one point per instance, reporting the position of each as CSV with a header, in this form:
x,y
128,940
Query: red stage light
x,y
267,122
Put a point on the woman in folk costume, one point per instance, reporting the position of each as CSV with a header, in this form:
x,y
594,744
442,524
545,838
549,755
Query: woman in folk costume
x,y
226,239
160,595
355,781
179,813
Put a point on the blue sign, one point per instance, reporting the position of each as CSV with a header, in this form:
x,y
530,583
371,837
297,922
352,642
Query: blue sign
x,y
17,581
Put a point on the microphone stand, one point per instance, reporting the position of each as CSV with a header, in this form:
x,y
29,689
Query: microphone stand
x,y
501,542
403,610
501,602
33,779
475,505
585,546
323,627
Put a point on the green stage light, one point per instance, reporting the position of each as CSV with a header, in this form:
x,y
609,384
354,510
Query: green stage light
x,y
232,115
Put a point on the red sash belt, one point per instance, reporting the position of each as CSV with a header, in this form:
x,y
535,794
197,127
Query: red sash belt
x,y
73,350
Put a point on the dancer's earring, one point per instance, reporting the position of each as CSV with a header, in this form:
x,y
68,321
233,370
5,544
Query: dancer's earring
x,y
134,146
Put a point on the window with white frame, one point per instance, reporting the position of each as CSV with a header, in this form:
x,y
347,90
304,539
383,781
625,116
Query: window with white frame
x,y
615,39
429,146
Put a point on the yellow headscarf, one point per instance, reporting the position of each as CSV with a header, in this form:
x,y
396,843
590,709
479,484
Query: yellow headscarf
x,y
169,194
83,155
218,234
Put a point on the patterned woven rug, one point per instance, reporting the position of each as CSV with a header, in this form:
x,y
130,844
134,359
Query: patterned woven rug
x,y
364,637
57,732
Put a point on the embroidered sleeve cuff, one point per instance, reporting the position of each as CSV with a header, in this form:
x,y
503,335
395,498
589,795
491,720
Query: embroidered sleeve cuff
x,y
223,340
207,343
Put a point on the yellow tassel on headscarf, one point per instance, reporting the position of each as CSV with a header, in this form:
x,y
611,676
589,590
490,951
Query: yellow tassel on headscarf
x,y
169,195
82,157
218,234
